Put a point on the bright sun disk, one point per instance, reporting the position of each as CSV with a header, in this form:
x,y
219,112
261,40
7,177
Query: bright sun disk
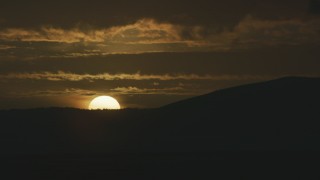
x,y
104,102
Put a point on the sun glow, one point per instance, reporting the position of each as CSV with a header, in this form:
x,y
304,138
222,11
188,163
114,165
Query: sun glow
x,y
104,102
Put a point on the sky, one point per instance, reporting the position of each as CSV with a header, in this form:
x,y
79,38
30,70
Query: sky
x,y
148,53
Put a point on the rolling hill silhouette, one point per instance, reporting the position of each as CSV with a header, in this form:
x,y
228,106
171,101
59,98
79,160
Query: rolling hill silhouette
x,y
286,90
252,131
273,115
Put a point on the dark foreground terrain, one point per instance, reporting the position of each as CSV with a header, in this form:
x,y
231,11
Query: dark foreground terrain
x,y
268,130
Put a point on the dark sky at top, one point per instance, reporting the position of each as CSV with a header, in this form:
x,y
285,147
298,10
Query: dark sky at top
x,y
149,53
109,13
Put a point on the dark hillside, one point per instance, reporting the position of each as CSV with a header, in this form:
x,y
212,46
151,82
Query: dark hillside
x,y
256,131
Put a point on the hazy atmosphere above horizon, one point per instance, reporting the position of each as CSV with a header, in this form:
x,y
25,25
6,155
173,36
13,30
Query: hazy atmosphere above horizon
x,y
149,53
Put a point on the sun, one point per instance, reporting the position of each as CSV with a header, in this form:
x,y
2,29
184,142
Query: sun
x,y
104,102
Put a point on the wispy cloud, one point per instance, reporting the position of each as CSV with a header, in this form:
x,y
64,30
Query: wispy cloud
x,y
252,32
50,93
144,31
50,34
149,35
64,76
168,91
118,91
6,47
